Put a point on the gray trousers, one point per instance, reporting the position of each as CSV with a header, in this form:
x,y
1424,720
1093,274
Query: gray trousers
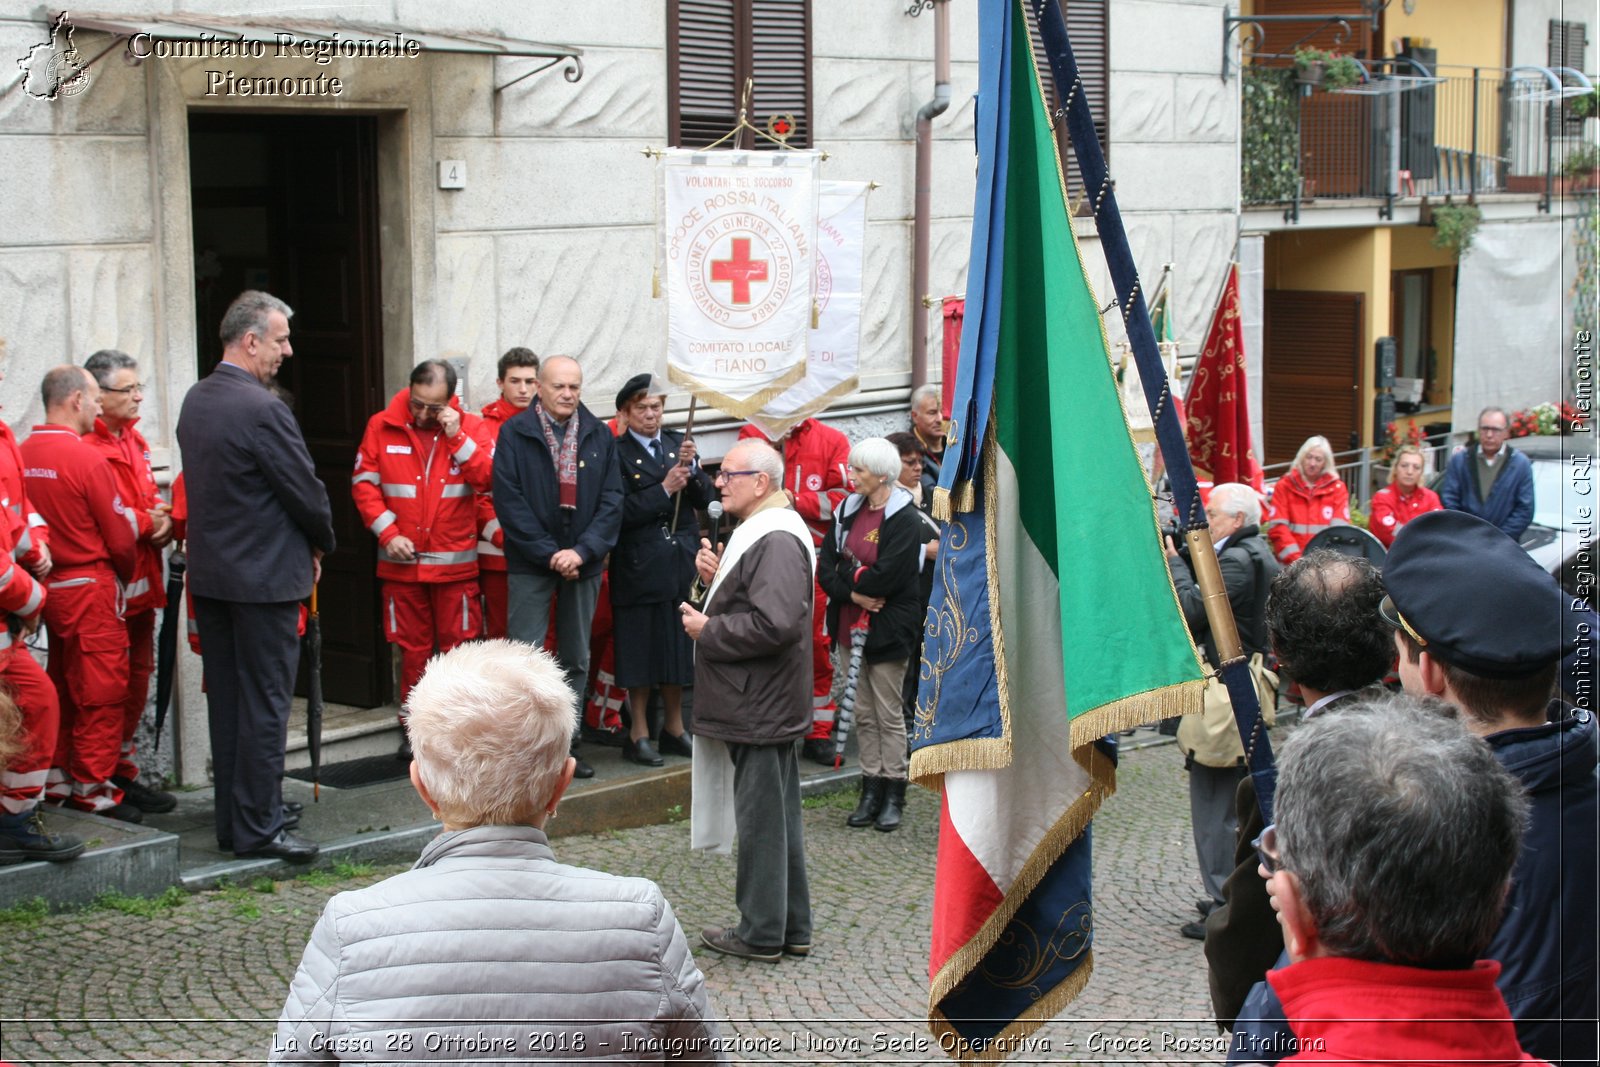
x,y
528,600
1216,822
771,890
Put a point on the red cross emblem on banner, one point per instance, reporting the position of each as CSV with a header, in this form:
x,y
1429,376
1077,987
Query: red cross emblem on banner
x,y
740,270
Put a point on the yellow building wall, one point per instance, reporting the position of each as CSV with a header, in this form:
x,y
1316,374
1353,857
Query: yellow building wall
x,y
1467,33
1340,261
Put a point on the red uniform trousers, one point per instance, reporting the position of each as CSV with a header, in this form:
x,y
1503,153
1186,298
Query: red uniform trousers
x,y
141,665
823,710
22,783
421,617
89,665
495,598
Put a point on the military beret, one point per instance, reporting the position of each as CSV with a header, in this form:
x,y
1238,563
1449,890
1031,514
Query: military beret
x,y
1471,596
639,383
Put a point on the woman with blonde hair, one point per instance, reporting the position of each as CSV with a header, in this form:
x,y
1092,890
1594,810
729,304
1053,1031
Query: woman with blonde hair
x,y
1404,498
450,960
1306,501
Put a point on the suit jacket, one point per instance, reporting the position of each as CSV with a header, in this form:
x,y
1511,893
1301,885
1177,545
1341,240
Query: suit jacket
x,y
647,565
527,495
256,507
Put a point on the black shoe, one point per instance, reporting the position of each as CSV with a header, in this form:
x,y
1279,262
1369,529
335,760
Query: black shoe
x,y
1193,931
818,750
291,821
894,802
404,755
676,744
870,804
286,846
727,942
583,770
23,838
642,752
1205,906
293,807
594,735
150,801
123,812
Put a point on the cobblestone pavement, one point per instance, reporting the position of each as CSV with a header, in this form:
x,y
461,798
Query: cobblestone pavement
x,y
203,980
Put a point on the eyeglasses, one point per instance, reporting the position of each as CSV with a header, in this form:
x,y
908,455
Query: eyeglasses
x,y
136,387
1492,429
431,409
1266,847
724,475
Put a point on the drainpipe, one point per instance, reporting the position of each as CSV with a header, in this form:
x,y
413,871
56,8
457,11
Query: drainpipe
x,y
920,241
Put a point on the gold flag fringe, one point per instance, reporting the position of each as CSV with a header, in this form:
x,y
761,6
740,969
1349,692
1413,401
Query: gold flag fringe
x,y
741,407
1182,698
1010,1039
929,765
941,505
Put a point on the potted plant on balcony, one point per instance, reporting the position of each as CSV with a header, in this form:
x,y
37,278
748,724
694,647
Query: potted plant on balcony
x,y
1454,227
1315,68
1581,168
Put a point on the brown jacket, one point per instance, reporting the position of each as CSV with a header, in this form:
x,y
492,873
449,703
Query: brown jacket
x,y
752,663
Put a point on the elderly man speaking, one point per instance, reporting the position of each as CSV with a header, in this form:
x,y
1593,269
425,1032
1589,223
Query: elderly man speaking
x,y
752,678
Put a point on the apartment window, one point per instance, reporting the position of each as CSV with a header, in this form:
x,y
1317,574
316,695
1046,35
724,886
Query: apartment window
x,y
1087,30
1568,46
713,46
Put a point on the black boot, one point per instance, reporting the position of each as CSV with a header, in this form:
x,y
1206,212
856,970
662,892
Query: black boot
x,y
871,802
893,801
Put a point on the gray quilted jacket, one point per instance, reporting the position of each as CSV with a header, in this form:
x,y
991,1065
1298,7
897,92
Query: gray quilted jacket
x,y
490,950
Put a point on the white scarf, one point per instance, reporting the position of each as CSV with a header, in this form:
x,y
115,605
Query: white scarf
x,y
711,822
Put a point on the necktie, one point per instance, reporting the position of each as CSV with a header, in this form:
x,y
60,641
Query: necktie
x,y
655,449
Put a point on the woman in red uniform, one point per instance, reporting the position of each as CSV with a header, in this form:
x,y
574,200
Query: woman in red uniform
x,y
1404,498
1306,501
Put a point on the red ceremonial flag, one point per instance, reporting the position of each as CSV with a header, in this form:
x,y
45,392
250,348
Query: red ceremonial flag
x,y
1218,404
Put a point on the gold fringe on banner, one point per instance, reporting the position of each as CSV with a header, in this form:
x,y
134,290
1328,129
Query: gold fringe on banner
x,y
741,407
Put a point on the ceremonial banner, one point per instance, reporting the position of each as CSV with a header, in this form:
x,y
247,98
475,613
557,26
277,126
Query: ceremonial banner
x,y
1053,621
1217,407
739,240
834,353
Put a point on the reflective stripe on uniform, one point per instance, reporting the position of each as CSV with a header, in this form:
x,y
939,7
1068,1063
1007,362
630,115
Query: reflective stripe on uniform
x,y
466,451
445,559
71,583
489,548
394,626
138,588
456,489
395,491
490,528
24,543
34,602
824,508
371,477
1308,527
382,522
466,614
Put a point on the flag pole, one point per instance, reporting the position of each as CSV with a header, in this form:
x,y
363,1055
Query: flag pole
x,y
1235,668
688,435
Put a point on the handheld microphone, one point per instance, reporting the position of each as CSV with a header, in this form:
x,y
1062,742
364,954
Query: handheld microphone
x,y
714,513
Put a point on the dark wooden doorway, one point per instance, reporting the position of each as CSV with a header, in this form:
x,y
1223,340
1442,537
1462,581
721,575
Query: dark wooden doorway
x,y
1311,370
289,204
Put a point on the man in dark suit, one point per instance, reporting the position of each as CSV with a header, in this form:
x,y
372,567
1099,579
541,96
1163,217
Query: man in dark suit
x,y
259,525
652,568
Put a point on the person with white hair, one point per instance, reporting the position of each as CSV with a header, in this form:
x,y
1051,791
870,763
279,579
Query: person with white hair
x,y
1307,500
869,568
450,960
1213,753
927,423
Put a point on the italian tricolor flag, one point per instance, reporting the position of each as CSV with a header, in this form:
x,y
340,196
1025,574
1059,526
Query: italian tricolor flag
x,y
1053,620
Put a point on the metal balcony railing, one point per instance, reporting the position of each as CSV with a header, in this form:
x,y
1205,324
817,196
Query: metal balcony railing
x,y
1365,470
1407,132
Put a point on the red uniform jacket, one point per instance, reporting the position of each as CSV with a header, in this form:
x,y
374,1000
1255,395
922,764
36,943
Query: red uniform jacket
x,y
27,527
1390,510
816,469
72,486
1299,512
20,595
491,542
414,483
129,456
